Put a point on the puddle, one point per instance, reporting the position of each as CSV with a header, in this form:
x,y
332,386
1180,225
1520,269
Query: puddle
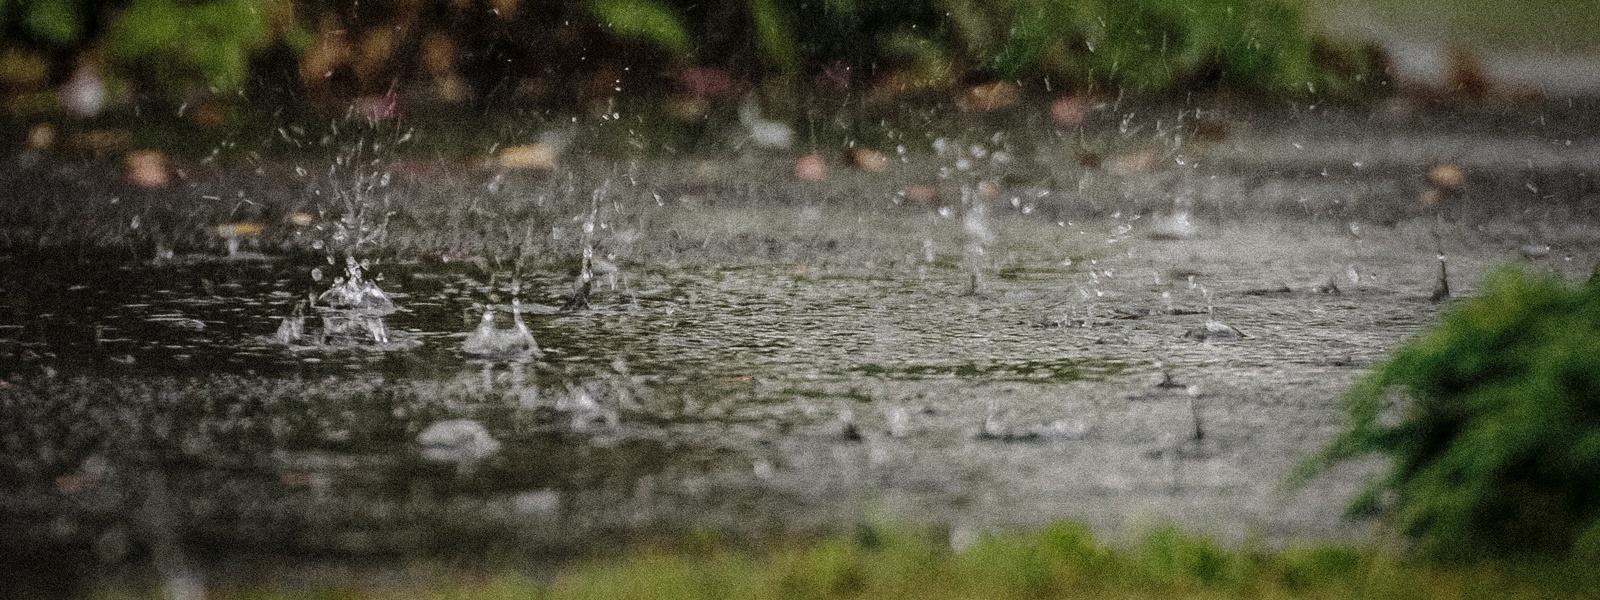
x,y
753,361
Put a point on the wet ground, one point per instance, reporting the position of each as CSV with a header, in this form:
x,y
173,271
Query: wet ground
x,y
760,356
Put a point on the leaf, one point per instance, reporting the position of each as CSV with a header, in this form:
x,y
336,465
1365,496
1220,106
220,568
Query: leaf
x,y
644,19
178,42
772,34
55,20
1502,409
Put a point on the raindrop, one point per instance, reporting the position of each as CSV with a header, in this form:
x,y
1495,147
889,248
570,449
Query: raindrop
x,y
457,441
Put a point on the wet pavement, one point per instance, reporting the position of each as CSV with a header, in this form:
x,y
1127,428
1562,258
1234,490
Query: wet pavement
x,y
760,355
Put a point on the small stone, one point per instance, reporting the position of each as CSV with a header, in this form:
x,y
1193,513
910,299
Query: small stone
x,y
147,169
1069,110
242,229
84,95
41,137
1446,175
869,160
211,115
534,157
686,108
811,167
991,96
920,192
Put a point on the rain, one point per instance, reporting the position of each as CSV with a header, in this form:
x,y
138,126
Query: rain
x,y
374,335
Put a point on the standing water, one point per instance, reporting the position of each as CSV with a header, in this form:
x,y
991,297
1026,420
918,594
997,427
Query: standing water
x,y
766,356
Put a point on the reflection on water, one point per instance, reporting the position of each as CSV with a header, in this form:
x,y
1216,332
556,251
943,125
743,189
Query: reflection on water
x,y
748,367
746,398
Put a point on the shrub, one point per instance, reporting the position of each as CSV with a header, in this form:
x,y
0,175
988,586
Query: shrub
x,y
1499,449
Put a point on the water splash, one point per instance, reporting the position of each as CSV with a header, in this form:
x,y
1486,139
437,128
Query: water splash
x,y
975,228
292,330
588,263
490,341
1441,287
1213,330
353,309
351,314
460,441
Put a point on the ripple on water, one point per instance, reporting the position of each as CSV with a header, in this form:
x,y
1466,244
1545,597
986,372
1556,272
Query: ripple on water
x,y
696,393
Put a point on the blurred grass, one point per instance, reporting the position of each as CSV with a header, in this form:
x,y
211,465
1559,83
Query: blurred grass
x,y
1064,560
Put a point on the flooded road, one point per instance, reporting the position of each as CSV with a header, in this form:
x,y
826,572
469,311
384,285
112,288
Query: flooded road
x,y
759,356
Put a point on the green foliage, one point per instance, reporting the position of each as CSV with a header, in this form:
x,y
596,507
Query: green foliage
x,y
1062,561
646,20
177,41
172,41
54,20
1139,45
770,28
773,34
1499,449
1169,556
1143,45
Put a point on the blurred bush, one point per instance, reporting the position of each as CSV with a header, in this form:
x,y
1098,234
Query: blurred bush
x,y
171,44
1143,45
546,54
1498,448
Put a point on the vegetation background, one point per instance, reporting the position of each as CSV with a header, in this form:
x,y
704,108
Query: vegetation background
x,y
543,55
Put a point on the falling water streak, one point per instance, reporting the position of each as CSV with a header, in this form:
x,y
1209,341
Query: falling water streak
x,y
975,229
1441,287
585,283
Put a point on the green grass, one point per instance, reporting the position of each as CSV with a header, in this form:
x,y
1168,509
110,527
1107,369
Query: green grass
x,y
1064,560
